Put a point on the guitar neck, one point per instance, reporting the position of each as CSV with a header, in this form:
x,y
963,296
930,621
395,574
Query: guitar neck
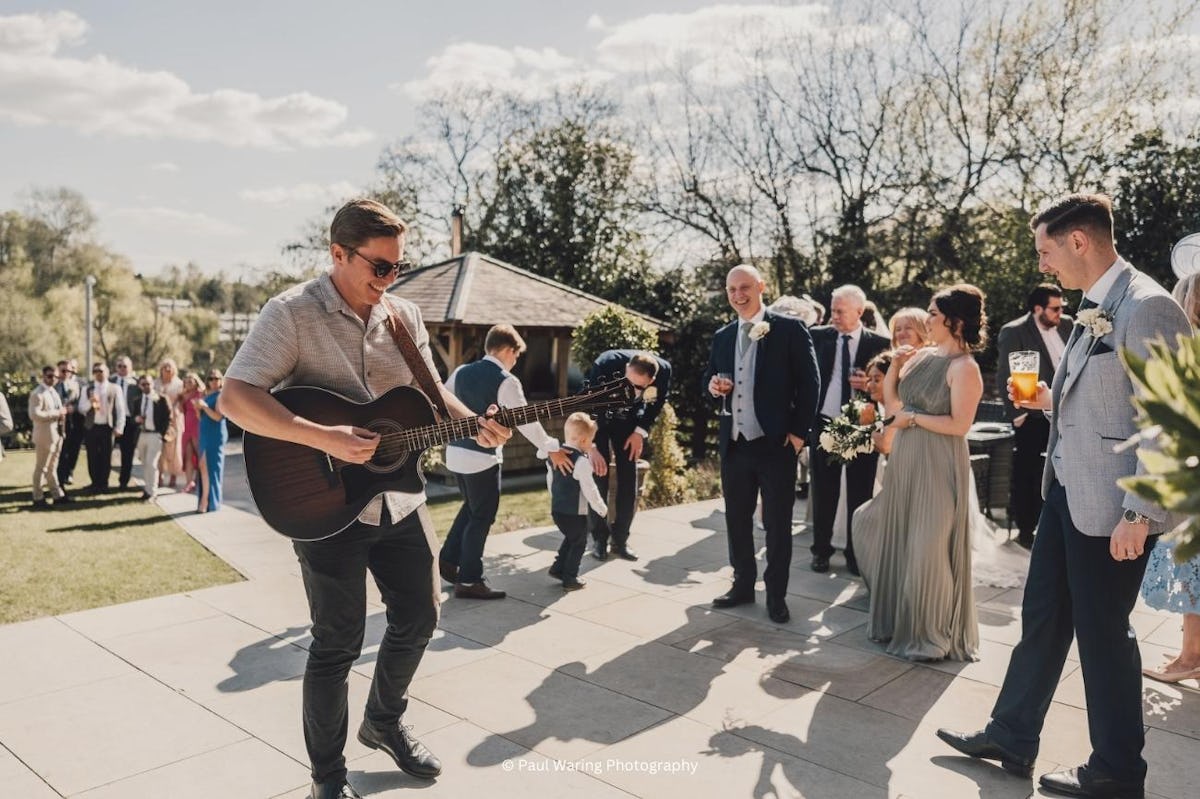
x,y
457,429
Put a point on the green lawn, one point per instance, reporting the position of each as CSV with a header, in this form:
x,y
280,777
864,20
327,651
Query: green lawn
x,y
97,551
518,510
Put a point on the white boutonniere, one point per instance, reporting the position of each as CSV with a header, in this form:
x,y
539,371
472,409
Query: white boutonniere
x,y
1096,321
649,394
759,331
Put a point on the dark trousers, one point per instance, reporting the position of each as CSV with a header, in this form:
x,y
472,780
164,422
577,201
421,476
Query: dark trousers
x,y
748,469
826,486
99,442
575,532
72,443
1075,588
611,438
468,535
399,557
1025,490
128,444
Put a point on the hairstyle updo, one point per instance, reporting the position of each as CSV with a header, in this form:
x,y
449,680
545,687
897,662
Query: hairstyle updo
x,y
962,307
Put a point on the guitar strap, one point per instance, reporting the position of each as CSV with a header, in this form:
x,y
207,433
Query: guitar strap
x,y
417,364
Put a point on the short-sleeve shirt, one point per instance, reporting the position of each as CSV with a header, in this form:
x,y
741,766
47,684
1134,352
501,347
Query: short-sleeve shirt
x,y
309,336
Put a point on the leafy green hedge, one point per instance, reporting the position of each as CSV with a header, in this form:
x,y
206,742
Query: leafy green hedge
x,y
16,389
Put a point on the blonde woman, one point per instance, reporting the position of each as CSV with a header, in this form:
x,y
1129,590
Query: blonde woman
x,y
168,384
190,440
1176,586
910,327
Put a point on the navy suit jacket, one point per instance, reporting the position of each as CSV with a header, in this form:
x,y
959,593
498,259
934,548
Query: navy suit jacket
x,y
826,340
786,380
612,363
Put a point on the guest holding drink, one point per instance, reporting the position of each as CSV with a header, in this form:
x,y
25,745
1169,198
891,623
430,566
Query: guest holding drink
x,y
1044,331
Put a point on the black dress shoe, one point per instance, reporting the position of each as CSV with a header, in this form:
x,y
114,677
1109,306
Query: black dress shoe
x,y
777,611
1025,541
733,598
819,564
448,571
573,585
555,572
599,553
1082,781
40,504
65,499
333,790
978,744
410,754
624,553
477,590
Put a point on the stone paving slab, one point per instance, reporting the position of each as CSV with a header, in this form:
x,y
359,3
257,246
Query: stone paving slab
x,y
632,687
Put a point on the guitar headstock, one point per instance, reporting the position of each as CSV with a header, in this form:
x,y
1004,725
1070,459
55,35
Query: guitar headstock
x,y
615,393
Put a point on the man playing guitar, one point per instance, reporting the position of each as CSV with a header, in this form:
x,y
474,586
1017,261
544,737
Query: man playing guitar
x,y
338,332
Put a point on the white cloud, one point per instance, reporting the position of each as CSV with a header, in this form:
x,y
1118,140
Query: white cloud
x,y
176,222
300,193
165,166
520,70
41,86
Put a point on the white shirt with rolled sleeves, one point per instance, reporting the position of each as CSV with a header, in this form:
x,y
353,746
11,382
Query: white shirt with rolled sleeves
x,y
309,336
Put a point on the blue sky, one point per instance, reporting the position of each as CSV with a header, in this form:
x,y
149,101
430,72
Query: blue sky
x,y
211,131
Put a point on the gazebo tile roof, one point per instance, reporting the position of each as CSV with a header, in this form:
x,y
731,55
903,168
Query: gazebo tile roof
x,y
475,289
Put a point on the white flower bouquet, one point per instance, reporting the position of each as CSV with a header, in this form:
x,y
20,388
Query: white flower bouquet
x,y
849,435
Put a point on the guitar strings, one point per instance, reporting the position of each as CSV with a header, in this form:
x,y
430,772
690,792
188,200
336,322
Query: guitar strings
x,y
392,444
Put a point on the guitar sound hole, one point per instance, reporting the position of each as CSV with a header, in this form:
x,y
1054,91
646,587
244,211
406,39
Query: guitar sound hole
x,y
391,453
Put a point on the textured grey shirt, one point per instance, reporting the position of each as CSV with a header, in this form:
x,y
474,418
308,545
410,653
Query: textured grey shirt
x,y
309,336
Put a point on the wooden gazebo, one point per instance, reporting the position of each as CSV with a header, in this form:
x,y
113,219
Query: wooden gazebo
x,y
462,297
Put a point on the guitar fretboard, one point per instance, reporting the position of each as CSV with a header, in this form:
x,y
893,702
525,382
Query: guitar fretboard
x,y
420,438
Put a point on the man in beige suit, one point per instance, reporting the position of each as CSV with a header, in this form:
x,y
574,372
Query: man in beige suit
x,y
46,411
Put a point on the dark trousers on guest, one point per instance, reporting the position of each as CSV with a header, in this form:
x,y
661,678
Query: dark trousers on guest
x,y
826,489
575,532
72,443
128,444
99,442
398,555
468,535
748,469
1076,589
611,438
1025,492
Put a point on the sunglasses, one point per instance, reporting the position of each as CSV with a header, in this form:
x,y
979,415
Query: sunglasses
x,y
382,268
213,378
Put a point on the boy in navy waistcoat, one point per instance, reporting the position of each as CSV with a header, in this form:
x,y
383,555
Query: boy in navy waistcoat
x,y
570,497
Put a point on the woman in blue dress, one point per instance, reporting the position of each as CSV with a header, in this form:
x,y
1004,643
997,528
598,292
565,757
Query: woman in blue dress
x,y
213,435
1176,586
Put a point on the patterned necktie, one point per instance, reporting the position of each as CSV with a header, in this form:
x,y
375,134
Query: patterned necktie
x,y
845,368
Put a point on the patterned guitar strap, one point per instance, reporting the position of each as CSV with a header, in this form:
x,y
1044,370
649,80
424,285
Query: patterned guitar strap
x,y
420,369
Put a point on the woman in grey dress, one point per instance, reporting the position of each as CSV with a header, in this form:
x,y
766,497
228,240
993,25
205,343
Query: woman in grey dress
x,y
916,533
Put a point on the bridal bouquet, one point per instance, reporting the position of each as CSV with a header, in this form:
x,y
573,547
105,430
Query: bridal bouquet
x,y
849,435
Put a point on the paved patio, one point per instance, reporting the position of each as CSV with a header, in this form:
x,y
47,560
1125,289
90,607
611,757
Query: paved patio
x,y
632,687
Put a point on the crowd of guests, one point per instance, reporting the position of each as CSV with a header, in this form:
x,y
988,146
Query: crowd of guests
x,y
170,424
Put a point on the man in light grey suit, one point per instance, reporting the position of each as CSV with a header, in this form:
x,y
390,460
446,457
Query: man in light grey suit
x,y
1093,537
1045,329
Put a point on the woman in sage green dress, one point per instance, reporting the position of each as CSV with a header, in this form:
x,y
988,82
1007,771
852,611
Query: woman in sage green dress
x,y
915,550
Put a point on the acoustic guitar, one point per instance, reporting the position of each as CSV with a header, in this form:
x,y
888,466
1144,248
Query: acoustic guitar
x,y
307,495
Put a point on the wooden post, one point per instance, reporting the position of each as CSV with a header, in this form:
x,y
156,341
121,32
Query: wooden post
x,y
562,356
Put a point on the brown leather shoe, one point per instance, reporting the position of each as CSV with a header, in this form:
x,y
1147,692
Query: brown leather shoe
x,y
477,590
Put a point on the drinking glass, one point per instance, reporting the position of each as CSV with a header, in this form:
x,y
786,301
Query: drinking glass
x,y
726,381
1024,366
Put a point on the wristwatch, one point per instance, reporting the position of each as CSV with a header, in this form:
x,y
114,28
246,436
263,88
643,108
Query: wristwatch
x,y
1133,517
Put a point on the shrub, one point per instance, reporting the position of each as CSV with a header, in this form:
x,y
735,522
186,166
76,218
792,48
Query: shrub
x,y
667,483
610,328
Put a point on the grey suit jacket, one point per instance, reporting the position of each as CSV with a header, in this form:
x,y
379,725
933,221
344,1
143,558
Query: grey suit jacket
x,y
1022,334
1093,410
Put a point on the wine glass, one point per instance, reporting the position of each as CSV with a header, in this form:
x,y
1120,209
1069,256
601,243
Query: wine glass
x,y
726,382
